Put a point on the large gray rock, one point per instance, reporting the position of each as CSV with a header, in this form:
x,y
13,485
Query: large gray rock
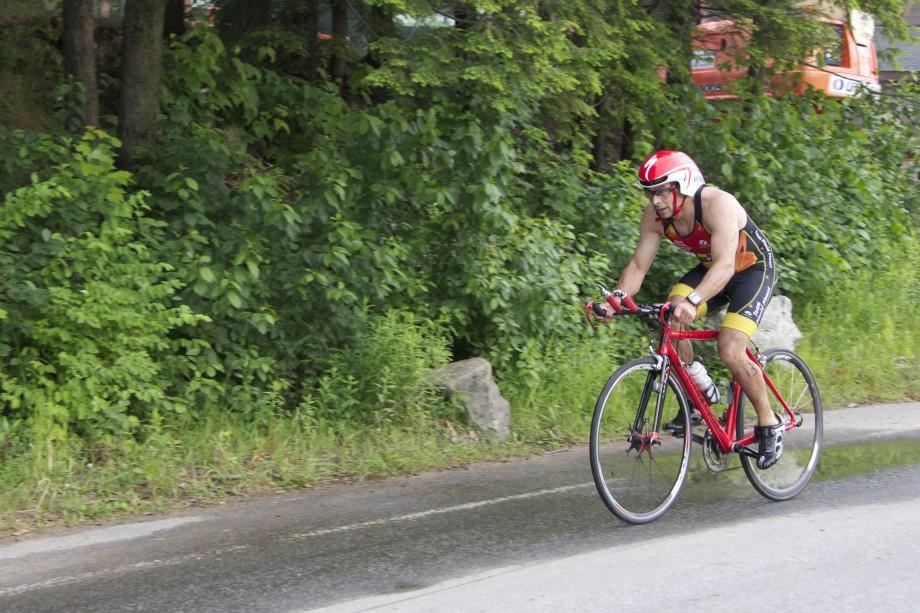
x,y
777,329
472,380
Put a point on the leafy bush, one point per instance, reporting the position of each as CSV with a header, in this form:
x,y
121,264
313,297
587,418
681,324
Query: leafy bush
x,y
382,206
85,311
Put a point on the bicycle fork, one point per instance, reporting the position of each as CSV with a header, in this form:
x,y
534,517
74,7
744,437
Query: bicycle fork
x,y
640,438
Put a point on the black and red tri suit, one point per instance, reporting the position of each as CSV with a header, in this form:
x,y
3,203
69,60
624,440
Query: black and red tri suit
x,y
748,291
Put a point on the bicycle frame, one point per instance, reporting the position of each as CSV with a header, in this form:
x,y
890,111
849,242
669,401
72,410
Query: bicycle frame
x,y
721,434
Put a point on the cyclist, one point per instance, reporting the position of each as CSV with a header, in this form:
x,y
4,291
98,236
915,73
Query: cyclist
x,y
735,267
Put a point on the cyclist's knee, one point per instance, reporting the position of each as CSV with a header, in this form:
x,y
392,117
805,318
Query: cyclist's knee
x,y
731,346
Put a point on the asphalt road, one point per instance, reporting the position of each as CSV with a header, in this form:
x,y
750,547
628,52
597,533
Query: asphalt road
x,y
520,535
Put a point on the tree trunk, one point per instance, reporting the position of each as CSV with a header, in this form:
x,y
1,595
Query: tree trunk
x,y
601,137
174,19
140,76
626,141
340,39
312,30
80,54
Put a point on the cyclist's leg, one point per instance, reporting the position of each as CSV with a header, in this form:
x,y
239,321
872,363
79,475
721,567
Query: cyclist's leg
x,y
770,428
732,344
749,292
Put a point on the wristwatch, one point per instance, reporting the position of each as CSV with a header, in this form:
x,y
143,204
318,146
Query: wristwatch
x,y
694,298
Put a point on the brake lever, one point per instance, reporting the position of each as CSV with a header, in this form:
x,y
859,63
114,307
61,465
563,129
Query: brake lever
x,y
603,290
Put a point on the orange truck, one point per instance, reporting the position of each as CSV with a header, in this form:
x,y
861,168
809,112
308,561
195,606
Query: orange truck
x,y
847,68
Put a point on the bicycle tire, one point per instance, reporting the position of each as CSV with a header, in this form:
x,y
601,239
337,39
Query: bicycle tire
x,y
635,488
802,444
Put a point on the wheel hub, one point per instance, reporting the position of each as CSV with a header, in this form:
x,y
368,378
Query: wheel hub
x,y
642,443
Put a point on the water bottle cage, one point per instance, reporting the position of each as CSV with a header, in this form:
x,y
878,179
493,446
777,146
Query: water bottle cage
x,y
704,383
712,394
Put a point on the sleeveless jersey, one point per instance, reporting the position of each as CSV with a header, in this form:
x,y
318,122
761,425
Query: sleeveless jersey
x,y
753,247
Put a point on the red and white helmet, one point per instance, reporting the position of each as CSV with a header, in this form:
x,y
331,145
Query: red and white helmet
x,y
663,167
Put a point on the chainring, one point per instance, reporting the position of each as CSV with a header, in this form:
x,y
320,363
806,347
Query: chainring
x,y
715,460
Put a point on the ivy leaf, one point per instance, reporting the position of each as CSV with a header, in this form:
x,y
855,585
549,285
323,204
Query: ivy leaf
x,y
234,299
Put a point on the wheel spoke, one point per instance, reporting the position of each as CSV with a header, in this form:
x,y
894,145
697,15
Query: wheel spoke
x,y
799,399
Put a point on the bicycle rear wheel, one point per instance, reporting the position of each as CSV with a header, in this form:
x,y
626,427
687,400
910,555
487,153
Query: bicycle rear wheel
x,y
639,469
801,444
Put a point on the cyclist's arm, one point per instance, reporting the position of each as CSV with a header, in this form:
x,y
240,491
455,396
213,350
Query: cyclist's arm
x,y
722,216
650,234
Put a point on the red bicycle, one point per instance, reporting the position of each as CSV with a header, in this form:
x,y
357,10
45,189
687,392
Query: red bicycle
x,y
639,467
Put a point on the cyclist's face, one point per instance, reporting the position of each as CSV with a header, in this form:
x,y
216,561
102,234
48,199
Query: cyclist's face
x,y
662,199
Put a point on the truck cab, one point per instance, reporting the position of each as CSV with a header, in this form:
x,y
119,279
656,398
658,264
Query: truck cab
x,y
845,69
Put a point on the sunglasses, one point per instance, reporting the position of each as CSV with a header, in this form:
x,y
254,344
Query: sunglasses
x,y
663,191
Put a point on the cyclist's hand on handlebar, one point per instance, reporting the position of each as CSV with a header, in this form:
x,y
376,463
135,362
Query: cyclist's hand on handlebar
x,y
599,310
612,303
684,313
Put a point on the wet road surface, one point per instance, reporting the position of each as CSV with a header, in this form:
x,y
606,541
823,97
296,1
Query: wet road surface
x,y
340,545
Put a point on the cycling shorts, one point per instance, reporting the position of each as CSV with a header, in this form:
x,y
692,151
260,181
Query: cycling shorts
x,y
746,294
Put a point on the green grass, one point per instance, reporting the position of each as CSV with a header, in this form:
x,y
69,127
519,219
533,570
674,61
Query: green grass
x,y
218,458
861,340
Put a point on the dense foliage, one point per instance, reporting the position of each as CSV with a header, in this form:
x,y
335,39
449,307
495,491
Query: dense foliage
x,y
293,242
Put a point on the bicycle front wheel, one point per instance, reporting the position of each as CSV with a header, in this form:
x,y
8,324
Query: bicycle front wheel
x,y
802,444
638,467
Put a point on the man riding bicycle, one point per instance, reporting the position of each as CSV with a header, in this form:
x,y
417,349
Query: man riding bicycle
x,y
735,268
